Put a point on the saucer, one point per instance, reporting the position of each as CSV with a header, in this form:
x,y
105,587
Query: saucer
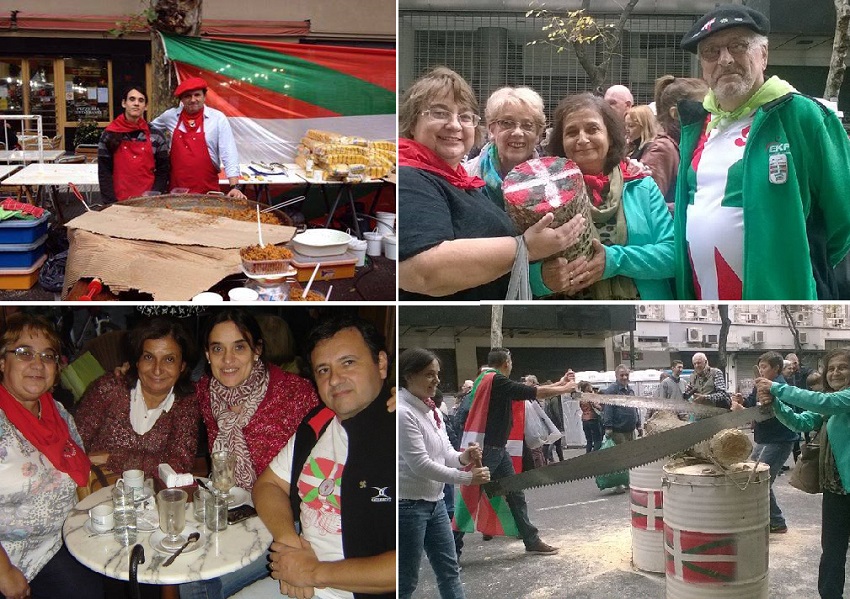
x,y
147,521
90,529
158,536
238,495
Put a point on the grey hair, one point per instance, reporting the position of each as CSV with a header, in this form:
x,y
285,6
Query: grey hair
x,y
524,97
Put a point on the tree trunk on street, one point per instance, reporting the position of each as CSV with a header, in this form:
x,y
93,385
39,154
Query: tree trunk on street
x,y
795,332
725,323
840,45
182,17
495,326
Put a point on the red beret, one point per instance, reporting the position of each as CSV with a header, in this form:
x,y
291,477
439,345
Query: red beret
x,y
189,85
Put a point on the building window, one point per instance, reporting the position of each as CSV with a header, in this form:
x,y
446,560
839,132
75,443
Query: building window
x,y
86,90
42,94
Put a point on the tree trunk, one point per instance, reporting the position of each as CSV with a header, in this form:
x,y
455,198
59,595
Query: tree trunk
x,y
496,326
840,45
725,323
182,17
795,332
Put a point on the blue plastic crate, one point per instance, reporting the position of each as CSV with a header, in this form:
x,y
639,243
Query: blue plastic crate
x,y
21,255
14,230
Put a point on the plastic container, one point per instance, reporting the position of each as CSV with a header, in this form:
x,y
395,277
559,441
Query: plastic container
x,y
386,223
207,297
391,247
716,529
374,242
21,278
358,248
21,255
266,267
333,267
23,231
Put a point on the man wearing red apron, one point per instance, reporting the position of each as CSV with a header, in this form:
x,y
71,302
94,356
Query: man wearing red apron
x,y
201,141
132,158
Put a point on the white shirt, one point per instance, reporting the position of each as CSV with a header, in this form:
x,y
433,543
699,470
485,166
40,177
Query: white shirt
x,y
715,230
426,458
321,519
141,418
219,136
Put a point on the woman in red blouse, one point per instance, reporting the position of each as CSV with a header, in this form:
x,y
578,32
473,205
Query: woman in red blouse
x,y
149,415
250,407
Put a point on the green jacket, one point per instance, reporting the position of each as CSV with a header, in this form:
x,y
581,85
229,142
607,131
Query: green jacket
x,y
648,256
796,231
835,405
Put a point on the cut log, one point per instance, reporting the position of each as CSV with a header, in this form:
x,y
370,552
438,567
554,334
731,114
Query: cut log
x,y
727,447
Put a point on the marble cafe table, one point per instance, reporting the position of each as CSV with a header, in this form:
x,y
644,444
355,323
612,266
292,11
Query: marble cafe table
x,y
221,552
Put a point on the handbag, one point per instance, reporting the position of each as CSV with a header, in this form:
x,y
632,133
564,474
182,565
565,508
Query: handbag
x,y
612,479
519,287
806,473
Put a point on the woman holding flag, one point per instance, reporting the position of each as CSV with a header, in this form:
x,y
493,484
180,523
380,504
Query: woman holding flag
x,y
426,461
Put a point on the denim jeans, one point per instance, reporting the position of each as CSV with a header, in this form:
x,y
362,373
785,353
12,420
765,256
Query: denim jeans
x,y
592,434
423,526
229,584
63,576
499,462
835,534
774,455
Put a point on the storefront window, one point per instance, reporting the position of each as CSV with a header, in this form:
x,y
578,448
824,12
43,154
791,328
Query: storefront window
x,y
11,98
86,90
43,95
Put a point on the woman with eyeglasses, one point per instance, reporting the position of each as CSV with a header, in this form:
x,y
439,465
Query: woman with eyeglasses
x,y
42,464
515,122
455,243
633,255
148,416
426,463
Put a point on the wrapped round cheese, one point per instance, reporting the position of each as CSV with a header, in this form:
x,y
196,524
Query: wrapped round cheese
x,y
541,185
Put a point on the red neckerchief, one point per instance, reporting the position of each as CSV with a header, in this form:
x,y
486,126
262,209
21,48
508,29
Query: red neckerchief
x,y
596,184
48,434
122,125
197,118
412,153
430,403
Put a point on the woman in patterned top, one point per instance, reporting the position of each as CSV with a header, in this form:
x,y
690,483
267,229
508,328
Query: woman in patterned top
x,y
830,412
42,462
251,408
150,415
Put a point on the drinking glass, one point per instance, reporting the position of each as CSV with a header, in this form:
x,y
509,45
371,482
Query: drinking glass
x,y
223,466
172,517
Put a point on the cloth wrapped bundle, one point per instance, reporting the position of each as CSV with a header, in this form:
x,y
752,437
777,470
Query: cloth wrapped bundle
x,y
549,184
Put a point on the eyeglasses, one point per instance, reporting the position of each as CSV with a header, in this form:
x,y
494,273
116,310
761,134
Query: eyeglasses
x,y
27,354
736,48
509,125
466,119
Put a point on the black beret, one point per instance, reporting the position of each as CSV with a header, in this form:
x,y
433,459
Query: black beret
x,y
723,17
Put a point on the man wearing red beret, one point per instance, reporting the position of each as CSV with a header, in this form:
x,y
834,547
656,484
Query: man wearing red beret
x,y
201,141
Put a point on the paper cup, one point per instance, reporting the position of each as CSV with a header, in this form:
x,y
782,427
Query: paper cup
x,y
373,243
243,294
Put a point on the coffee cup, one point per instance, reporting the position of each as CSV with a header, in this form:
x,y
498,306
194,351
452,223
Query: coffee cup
x,y
134,479
102,518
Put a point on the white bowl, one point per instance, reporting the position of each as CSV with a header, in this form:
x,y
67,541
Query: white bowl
x,y
207,297
243,294
321,242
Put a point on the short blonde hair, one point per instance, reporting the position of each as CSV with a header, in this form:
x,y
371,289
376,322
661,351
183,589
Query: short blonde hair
x,y
646,121
422,92
524,97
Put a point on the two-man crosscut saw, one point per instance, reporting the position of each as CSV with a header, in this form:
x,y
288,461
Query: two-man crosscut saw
x,y
626,455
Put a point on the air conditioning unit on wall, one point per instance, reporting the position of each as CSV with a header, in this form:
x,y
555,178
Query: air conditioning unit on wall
x,y
694,335
757,337
804,338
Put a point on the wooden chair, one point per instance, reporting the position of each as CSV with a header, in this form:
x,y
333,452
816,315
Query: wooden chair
x,y
99,477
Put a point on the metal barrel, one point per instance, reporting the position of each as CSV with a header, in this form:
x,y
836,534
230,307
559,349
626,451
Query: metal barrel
x,y
716,528
646,504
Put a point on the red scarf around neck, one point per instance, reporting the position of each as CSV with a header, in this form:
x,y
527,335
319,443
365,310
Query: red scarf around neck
x,y
596,184
122,125
433,407
196,118
48,434
413,153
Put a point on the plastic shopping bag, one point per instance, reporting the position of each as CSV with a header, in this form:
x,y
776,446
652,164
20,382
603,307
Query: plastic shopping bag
x,y
613,479
539,428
